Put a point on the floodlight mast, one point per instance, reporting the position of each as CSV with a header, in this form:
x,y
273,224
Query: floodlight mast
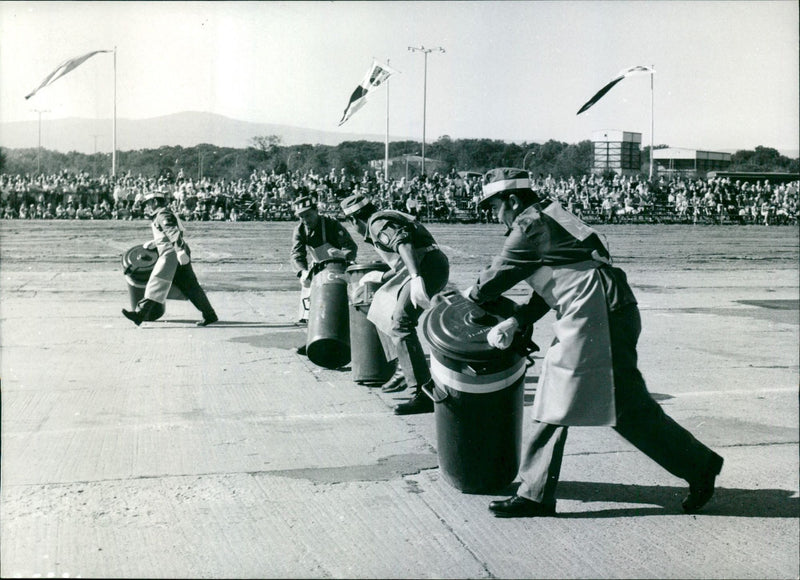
x,y
424,51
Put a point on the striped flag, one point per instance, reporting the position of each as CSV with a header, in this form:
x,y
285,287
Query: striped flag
x,y
375,76
62,69
621,75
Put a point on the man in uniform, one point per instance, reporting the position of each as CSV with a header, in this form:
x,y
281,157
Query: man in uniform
x,y
314,239
174,266
589,374
419,269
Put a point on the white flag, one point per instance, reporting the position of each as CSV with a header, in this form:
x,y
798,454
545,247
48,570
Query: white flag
x,y
620,75
375,76
63,69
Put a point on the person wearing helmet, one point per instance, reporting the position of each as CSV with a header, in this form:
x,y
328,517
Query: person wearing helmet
x,y
589,374
174,266
419,269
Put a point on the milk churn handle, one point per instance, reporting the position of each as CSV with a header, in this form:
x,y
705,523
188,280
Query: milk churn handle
x,y
436,395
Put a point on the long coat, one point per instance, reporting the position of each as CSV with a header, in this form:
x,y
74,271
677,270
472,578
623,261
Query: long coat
x,y
568,266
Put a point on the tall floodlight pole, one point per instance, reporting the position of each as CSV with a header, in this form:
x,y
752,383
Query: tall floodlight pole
x,y
386,144
652,74
39,147
114,122
424,51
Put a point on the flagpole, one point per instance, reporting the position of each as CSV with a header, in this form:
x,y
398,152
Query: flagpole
x,y
652,74
386,147
114,122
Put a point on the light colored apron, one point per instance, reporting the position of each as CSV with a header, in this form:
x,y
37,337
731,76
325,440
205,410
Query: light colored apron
x,y
160,282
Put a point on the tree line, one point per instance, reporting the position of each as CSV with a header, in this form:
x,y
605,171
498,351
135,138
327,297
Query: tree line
x,y
445,155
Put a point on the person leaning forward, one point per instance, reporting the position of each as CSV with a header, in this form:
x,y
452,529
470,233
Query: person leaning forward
x,y
314,239
589,374
174,266
419,269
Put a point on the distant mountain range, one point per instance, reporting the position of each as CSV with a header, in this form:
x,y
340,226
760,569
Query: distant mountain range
x,y
185,129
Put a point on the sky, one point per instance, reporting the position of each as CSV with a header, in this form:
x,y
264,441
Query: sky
x,y
726,72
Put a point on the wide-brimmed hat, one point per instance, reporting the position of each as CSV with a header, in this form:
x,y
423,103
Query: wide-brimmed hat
x,y
504,180
352,204
303,204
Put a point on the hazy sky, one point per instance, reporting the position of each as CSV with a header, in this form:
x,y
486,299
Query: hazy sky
x,y
726,72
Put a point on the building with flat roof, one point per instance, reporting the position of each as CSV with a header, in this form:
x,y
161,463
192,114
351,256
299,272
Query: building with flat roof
x,y
689,162
617,151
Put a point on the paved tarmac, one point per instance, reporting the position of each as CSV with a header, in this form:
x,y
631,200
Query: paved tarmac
x,y
171,451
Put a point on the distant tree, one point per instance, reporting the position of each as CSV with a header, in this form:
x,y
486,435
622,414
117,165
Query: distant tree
x,y
2,160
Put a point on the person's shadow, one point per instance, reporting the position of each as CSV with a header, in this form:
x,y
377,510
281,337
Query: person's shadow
x,y
666,500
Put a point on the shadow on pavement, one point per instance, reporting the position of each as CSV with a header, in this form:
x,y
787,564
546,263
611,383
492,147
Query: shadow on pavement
x,y
666,500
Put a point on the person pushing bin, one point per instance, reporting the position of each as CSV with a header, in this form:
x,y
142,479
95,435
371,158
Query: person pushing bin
x,y
173,266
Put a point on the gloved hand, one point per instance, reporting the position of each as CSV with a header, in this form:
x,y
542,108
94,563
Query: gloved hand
x,y
419,297
467,292
337,253
183,257
151,245
502,335
375,276
305,279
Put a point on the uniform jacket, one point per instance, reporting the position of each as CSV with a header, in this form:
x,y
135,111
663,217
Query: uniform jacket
x,y
328,231
569,268
387,229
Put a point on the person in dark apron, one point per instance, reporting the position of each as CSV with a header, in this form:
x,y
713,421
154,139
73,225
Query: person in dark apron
x,y
314,239
419,269
590,375
174,266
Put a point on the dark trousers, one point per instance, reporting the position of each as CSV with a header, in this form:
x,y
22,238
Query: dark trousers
x,y
186,281
640,420
434,270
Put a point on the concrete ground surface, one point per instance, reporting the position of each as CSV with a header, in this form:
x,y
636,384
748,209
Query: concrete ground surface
x,y
171,451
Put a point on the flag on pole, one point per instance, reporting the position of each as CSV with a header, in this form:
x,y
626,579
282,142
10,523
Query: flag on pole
x,y
621,75
62,69
375,76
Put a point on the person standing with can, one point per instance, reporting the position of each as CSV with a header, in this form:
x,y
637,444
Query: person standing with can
x,y
419,269
314,239
174,266
589,374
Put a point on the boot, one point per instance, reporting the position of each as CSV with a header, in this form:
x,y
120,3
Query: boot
x,y
419,403
208,318
133,316
396,383
150,310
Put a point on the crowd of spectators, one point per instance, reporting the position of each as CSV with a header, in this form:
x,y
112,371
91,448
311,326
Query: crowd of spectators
x,y
439,197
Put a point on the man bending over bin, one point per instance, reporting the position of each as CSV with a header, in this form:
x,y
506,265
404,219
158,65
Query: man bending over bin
x,y
419,269
589,374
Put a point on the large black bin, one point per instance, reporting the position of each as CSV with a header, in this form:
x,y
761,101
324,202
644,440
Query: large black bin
x,y
369,364
137,264
328,336
478,394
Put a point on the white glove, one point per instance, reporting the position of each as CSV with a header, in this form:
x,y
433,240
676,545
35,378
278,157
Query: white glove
x,y
501,335
151,245
305,279
419,297
375,276
337,253
183,257
467,292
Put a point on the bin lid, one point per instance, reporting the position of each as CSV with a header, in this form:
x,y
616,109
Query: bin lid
x,y
382,266
457,328
138,260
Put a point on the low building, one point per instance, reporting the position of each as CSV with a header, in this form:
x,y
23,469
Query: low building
x,y
689,162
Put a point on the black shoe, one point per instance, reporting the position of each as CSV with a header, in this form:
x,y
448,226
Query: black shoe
x,y
419,403
133,316
208,319
301,350
395,384
520,507
701,490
